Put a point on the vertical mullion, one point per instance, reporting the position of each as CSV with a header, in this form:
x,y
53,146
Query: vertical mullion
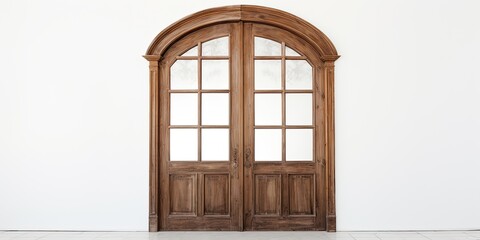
x,y
248,131
284,150
236,124
199,76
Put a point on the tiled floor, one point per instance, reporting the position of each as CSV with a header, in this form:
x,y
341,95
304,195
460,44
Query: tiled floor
x,y
440,235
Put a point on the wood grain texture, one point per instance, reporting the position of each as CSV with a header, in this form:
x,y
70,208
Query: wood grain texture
x,y
248,120
320,145
162,159
301,194
217,194
268,194
239,194
182,192
236,132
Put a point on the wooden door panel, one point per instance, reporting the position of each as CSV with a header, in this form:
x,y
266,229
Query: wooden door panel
x,y
268,193
200,189
285,194
301,194
216,194
183,197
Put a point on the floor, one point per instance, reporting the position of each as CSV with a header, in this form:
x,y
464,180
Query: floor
x,y
440,235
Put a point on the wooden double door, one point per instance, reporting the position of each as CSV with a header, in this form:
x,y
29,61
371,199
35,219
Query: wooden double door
x,y
241,131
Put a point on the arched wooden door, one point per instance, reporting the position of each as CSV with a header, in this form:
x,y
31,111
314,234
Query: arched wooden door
x,y
241,124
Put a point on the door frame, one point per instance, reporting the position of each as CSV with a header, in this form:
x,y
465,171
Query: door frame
x,y
253,14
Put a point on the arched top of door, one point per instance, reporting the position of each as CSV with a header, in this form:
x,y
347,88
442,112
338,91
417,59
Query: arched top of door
x,y
246,13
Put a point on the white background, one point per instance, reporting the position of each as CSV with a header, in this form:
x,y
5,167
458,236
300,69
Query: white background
x,y
74,110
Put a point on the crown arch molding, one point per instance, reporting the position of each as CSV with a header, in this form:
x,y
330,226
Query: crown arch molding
x,y
246,13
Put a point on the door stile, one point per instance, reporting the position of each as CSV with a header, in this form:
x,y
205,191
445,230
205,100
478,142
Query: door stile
x,y
320,180
236,132
248,125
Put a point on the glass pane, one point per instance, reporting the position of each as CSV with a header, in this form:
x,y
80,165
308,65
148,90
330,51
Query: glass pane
x,y
268,74
183,144
184,75
183,109
215,109
192,52
215,74
299,144
290,52
298,108
268,109
268,144
215,47
215,144
266,47
298,74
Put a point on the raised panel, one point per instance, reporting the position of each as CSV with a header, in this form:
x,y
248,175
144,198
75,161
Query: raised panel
x,y
268,193
182,194
301,194
217,194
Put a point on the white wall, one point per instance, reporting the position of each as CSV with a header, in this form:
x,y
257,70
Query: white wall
x,y
74,110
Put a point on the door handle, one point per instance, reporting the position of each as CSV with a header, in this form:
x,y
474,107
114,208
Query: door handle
x,y
248,162
235,162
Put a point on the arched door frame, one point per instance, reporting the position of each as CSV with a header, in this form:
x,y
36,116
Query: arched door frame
x,y
253,14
